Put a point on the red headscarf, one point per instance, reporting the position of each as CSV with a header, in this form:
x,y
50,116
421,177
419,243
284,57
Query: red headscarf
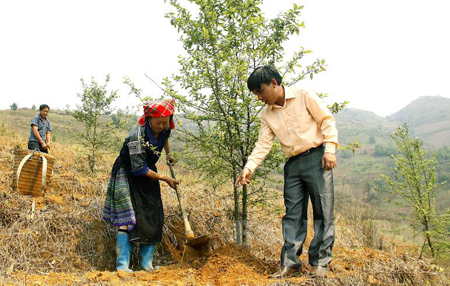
x,y
158,109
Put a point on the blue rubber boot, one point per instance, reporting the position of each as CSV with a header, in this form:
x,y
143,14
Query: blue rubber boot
x,y
146,253
123,251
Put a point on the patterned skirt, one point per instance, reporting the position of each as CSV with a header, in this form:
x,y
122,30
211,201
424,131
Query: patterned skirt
x,y
118,208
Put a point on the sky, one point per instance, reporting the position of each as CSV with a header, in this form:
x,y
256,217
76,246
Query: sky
x,y
380,55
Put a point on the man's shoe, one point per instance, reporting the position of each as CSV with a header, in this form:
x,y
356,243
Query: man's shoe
x,y
285,272
320,271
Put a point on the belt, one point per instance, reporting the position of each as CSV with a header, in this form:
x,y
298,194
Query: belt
x,y
308,151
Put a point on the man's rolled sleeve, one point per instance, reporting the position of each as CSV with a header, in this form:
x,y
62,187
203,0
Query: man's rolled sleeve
x,y
325,119
262,147
34,121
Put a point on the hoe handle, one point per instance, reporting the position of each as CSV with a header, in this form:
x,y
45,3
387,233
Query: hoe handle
x,y
187,225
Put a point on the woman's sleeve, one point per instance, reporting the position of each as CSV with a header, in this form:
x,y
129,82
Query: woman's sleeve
x,y
138,157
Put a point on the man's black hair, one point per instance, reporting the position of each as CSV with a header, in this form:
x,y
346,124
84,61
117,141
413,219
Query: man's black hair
x,y
263,74
43,106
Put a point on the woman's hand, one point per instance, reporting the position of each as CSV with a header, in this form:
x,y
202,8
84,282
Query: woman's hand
x,y
170,159
172,182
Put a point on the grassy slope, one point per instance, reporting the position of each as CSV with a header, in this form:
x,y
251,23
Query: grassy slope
x,y
429,119
62,123
67,243
360,171
363,170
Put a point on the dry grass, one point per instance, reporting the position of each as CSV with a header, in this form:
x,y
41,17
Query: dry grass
x,y
64,233
66,241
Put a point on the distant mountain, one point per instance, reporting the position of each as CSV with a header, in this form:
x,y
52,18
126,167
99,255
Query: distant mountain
x,y
428,118
423,111
359,116
362,126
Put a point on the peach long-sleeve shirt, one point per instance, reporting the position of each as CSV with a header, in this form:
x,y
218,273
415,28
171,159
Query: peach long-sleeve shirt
x,y
304,122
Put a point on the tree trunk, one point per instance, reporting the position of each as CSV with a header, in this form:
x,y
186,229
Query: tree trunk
x,y
244,215
430,245
92,161
428,237
236,216
421,249
94,144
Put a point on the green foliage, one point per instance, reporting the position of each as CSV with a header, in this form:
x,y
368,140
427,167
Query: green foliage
x,y
14,106
125,119
351,146
33,107
384,150
345,154
443,160
443,153
136,91
415,182
97,134
335,107
224,43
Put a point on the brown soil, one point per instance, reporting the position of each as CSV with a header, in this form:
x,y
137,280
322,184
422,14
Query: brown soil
x,y
228,265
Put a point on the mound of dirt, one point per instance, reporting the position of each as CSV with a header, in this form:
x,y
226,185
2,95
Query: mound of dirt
x,y
228,265
234,265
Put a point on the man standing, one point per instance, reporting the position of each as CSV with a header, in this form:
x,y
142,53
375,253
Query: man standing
x,y
308,137
40,137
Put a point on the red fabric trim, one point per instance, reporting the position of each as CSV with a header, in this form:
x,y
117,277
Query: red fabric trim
x,y
158,109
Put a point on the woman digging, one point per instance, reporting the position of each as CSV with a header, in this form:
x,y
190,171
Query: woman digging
x,y
133,201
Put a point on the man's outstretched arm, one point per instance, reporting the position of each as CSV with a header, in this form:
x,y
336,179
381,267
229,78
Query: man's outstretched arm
x,y
259,153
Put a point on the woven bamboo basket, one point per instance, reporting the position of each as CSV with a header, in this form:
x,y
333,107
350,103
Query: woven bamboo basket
x,y
28,177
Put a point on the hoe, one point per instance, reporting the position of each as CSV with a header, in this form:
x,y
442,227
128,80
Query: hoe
x,y
191,240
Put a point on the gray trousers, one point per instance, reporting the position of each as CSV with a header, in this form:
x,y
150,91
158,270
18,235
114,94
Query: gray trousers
x,y
33,145
304,177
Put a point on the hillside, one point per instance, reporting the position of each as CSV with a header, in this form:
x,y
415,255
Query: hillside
x,y
64,126
429,119
361,171
19,121
65,241
363,126
423,111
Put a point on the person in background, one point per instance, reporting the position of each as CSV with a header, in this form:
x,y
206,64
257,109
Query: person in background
x,y
133,200
308,137
40,133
